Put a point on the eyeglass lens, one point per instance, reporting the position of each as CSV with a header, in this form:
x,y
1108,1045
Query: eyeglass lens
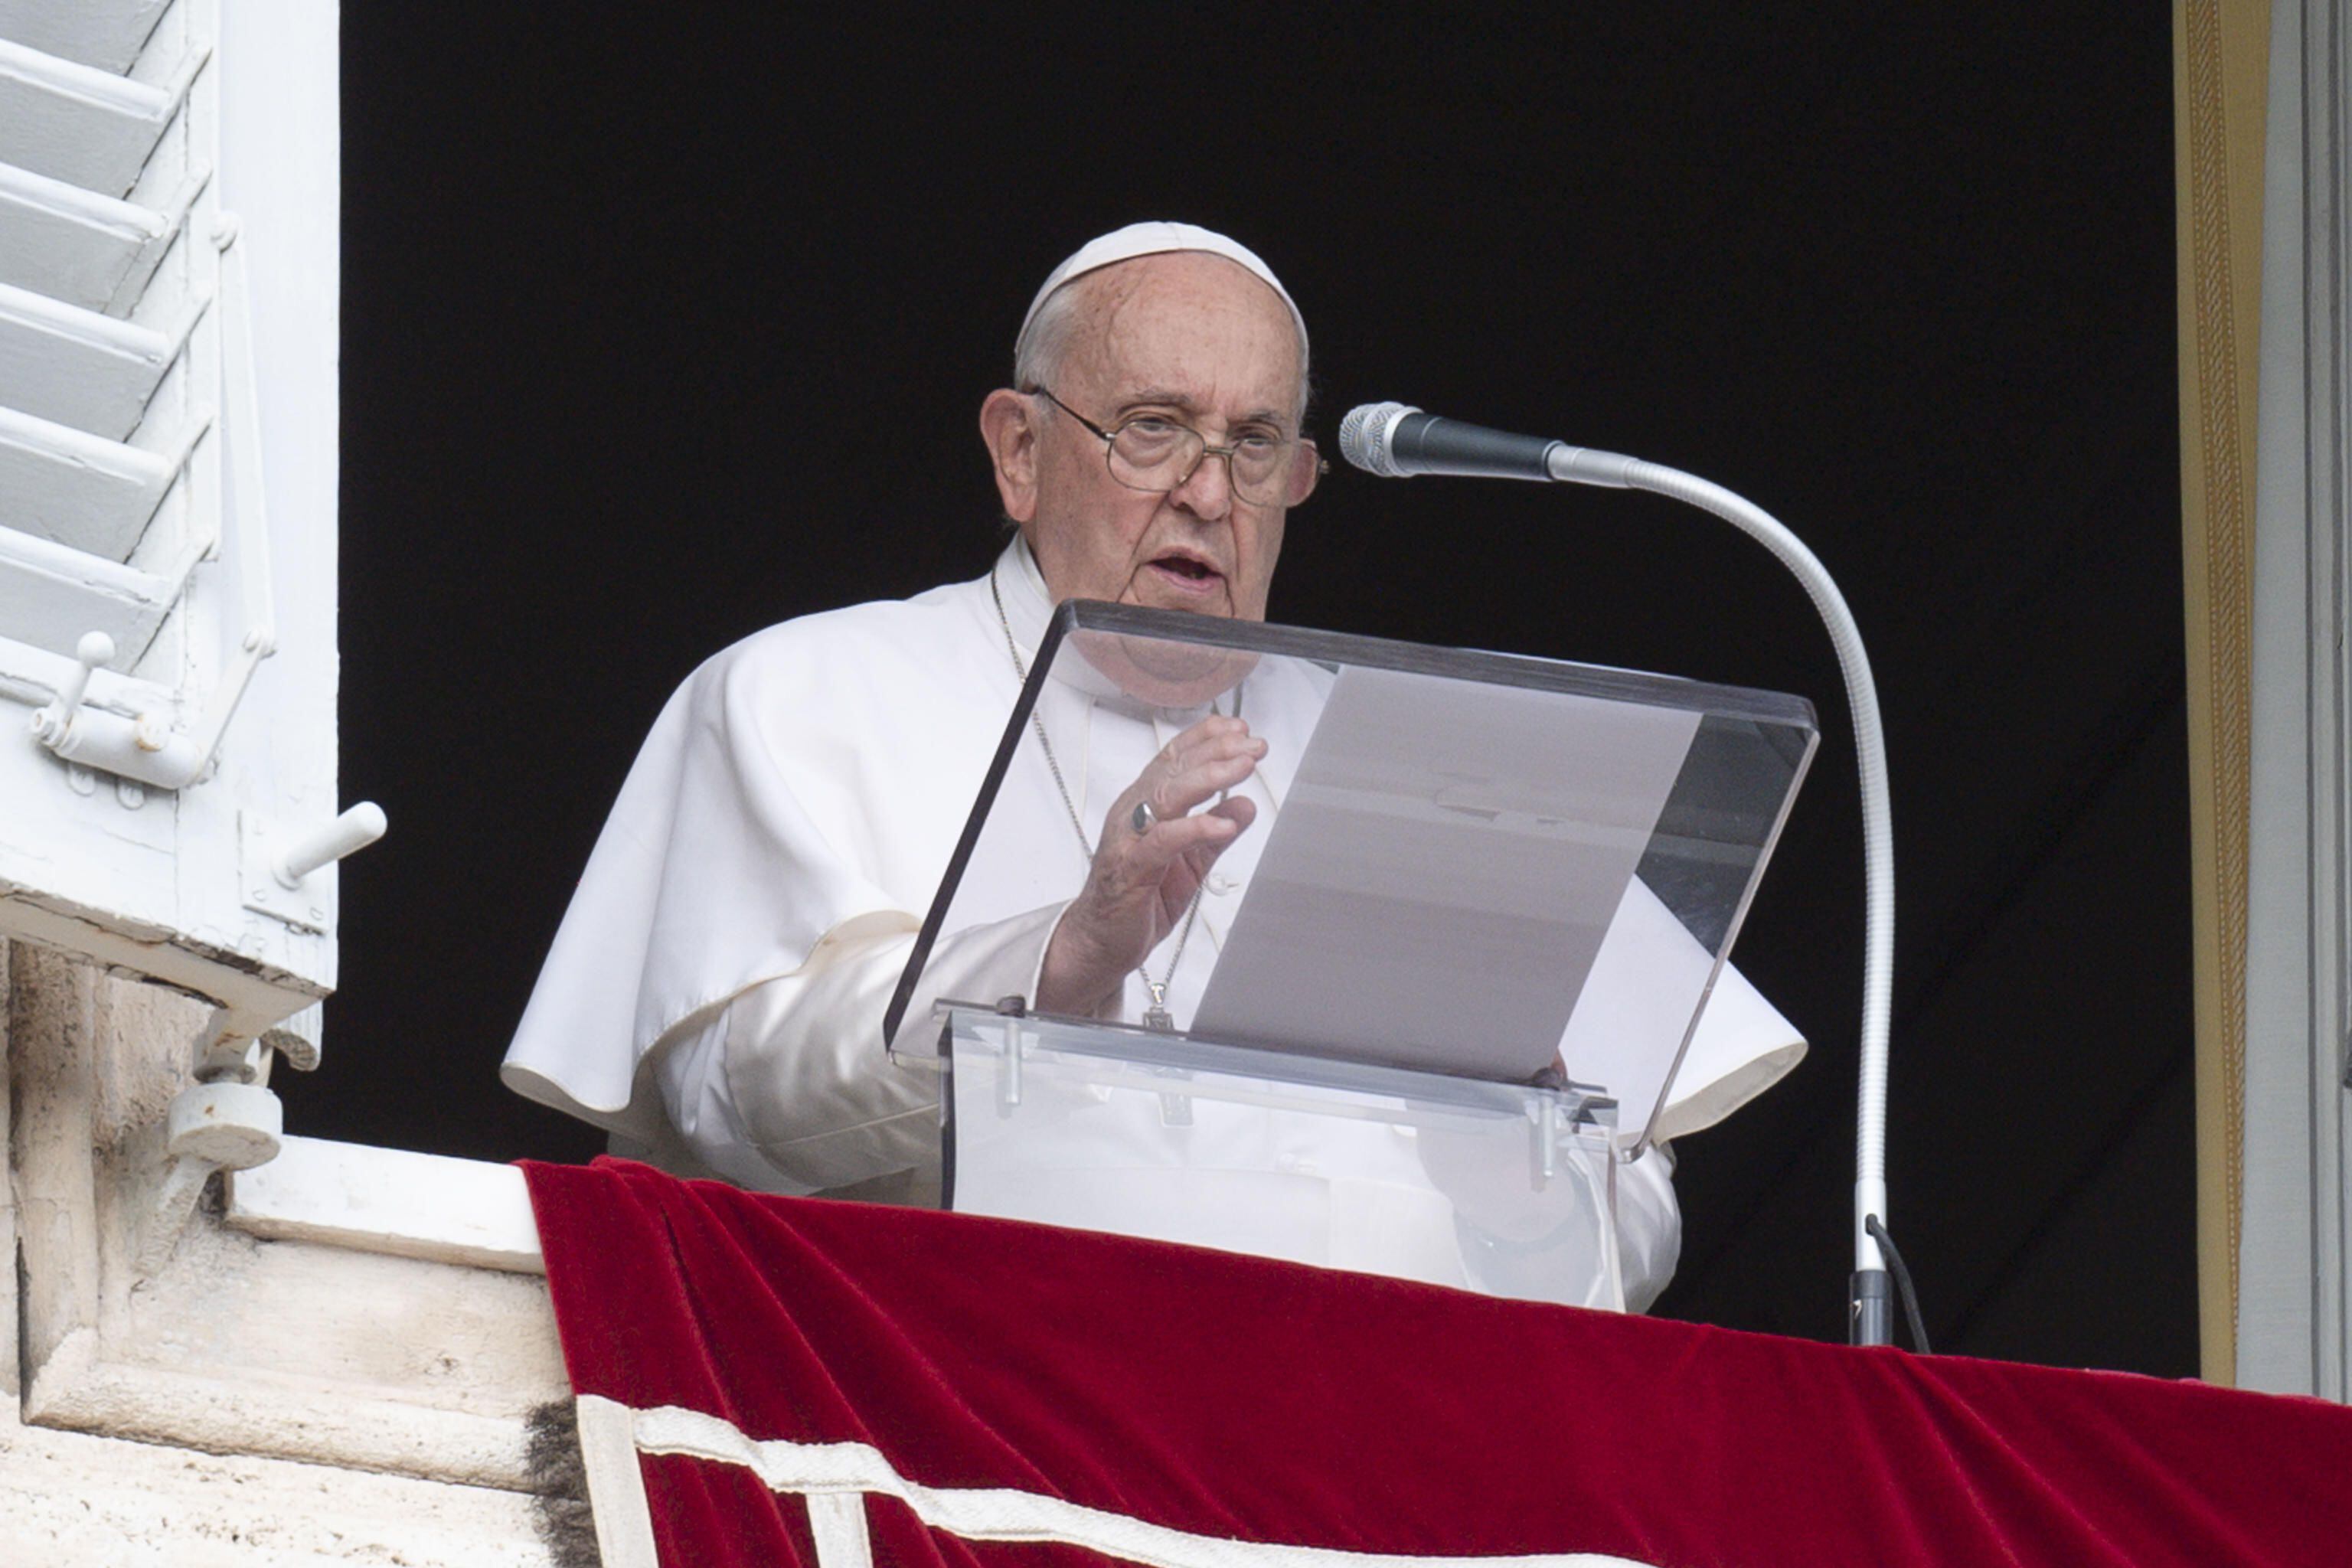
x,y
1160,455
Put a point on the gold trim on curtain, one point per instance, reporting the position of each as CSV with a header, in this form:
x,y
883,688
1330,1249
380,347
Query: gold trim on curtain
x,y
2220,52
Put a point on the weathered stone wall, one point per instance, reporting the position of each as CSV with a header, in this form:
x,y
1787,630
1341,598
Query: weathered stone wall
x,y
251,1402
70,1500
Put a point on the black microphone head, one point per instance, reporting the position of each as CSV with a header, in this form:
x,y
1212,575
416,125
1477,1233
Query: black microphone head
x,y
1365,435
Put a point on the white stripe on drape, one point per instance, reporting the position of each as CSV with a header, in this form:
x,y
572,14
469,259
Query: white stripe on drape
x,y
832,1474
616,1483
837,1521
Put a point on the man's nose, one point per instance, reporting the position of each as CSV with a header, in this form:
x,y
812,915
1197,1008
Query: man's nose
x,y
1207,492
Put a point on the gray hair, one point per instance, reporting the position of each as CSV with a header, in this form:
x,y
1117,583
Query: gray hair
x,y
1038,357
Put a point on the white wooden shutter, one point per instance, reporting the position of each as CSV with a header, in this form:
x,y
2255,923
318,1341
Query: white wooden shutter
x,y
169,199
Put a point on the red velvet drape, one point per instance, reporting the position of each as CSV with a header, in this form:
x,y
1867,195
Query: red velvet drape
x,y
1234,1399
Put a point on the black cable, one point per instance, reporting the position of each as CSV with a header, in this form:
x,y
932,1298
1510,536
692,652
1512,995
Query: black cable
x,y
1877,1229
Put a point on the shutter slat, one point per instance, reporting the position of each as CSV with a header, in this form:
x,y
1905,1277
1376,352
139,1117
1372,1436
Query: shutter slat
x,y
77,367
50,595
59,484
87,126
77,245
105,34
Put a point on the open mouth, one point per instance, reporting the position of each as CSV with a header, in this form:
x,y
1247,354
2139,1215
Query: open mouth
x,y
1187,572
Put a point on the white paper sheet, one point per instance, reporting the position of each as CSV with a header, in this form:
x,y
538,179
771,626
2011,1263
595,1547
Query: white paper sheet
x,y
1442,873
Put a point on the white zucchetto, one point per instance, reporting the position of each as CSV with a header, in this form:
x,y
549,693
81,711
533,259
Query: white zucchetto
x,y
1155,239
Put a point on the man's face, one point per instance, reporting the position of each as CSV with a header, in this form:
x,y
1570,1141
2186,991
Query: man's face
x,y
1188,337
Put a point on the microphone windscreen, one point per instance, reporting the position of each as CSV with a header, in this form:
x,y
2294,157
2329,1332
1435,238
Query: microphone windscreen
x,y
1364,437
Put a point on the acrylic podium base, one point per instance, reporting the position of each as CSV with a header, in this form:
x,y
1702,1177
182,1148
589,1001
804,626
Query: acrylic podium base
x,y
1505,1189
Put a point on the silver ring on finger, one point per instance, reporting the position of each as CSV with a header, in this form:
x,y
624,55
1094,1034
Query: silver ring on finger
x,y
1142,817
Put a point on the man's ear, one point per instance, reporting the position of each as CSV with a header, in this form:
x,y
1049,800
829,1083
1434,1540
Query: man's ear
x,y
1009,426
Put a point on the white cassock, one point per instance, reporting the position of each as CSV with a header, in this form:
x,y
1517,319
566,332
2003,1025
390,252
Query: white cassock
x,y
715,995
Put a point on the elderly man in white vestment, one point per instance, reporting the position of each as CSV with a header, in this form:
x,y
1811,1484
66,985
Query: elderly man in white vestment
x,y
714,997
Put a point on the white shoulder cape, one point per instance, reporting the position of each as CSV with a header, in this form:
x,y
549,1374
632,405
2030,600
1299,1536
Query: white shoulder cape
x,y
746,834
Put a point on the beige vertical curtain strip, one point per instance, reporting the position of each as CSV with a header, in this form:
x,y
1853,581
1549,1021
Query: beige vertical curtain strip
x,y
2220,52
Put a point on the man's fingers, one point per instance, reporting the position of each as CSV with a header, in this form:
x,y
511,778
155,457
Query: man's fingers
x,y
1212,756
1172,839
1199,766
1241,809
1148,856
1208,741
1215,724
1177,793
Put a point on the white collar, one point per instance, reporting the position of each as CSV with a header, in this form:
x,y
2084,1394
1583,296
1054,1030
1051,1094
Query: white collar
x,y
1028,606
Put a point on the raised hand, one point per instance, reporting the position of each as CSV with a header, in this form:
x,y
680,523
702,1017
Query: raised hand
x,y
1141,883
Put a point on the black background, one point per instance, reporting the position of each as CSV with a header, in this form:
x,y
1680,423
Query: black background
x,y
663,323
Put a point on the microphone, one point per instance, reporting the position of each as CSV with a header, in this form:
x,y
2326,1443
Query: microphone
x,y
1396,441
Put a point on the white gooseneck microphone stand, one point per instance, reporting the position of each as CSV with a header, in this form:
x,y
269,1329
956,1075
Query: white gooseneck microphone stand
x,y
1396,441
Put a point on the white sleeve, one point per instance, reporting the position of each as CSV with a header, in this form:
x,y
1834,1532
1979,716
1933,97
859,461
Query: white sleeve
x,y
1649,1226
1526,1248
788,1089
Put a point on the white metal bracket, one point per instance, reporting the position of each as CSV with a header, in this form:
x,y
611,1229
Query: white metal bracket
x,y
219,1126
275,866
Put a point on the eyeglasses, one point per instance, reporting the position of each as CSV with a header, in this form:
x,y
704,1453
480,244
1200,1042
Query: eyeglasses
x,y
1153,452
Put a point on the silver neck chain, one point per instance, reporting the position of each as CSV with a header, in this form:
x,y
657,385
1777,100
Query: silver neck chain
x,y
1155,1016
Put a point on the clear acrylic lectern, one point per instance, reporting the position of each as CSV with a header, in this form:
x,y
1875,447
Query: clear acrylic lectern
x,y
1419,1012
